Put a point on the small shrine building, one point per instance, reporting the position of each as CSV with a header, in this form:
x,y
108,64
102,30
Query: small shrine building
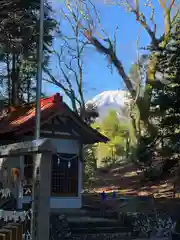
x,y
67,132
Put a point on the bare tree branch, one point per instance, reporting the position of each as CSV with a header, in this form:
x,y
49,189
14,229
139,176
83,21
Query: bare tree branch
x,y
162,3
114,59
90,26
70,59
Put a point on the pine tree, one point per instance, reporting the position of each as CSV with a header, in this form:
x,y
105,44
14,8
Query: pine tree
x,y
165,107
164,111
19,34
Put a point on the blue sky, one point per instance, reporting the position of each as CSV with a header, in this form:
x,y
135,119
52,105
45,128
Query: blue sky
x,y
97,76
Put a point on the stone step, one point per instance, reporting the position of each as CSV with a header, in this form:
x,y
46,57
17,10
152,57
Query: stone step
x,y
102,236
96,213
92,222
84,226
95,226
98,230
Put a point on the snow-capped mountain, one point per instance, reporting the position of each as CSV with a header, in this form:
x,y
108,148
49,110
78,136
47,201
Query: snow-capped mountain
x,y
117,100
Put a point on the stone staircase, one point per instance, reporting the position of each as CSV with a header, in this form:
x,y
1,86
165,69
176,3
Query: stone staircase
x,y
89,224
86,226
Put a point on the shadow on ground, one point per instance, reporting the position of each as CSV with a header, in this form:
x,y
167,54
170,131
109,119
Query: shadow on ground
x,y
126,179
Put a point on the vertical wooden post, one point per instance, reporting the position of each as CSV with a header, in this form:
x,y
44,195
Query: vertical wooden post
x,y
2,236
7,233
20,230
14,230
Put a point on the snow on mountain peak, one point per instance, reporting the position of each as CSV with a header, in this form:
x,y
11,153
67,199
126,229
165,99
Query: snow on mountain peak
x,y
116,100
111,97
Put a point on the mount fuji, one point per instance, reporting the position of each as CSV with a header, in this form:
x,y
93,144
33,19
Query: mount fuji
x,y
117,100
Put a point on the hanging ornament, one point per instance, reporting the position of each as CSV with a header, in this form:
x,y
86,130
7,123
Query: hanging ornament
x,y
22,216
27,236
5,216
14,216
5,193
1,214
27,191
58,161
21,192
69,164
28,214
15,174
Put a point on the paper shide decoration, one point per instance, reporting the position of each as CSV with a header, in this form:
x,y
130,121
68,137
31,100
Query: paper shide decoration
x,y
59,158
27,236
5,193
15,216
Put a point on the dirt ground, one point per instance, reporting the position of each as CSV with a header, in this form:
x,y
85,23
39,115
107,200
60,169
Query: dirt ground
x,y
127,180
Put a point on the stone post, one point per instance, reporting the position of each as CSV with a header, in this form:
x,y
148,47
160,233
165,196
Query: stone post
x,y
43,148
42,196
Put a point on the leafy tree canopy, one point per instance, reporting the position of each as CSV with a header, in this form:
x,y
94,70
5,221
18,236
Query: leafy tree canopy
x,y
119,134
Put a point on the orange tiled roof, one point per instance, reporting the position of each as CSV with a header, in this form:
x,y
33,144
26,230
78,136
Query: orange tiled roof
x,y
22,118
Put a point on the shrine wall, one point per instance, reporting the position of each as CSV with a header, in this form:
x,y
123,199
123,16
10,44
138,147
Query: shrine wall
x,y
72,147
63,146
66,145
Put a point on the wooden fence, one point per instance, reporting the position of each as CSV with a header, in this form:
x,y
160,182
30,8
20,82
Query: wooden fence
x,y
12,231
15,228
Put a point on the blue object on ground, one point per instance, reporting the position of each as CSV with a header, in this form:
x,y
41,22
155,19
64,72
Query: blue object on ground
x,y
103,196
114,195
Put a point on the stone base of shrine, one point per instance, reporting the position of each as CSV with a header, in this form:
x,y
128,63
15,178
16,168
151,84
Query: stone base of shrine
x,y
60,202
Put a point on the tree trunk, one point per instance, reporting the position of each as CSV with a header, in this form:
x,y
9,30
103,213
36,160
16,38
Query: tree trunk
x,y
28,90
9,79
15,82
142,103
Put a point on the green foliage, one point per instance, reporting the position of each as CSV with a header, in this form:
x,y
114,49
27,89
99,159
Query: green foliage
x,y
105,155
90,166
165,102
89,116
19,36
120,135
164,112
138,72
